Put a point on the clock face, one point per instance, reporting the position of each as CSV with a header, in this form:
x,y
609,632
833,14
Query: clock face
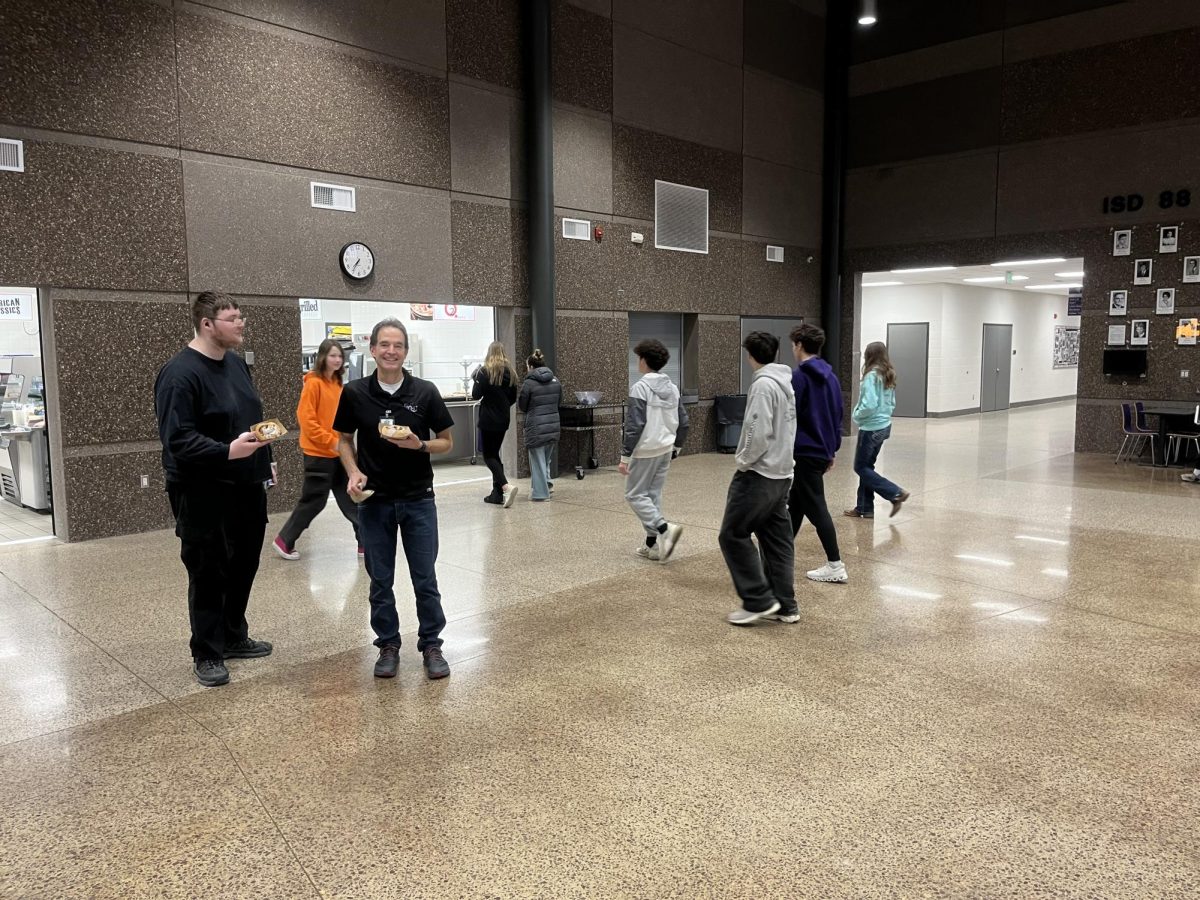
x,y
358,262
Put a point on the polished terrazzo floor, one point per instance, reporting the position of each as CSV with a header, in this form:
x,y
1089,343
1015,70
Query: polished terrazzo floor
x,y
1003,702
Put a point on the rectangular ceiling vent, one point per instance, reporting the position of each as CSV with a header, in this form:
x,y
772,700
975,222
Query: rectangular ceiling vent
x,y
577,229
680,217
12,155
332,196
774,254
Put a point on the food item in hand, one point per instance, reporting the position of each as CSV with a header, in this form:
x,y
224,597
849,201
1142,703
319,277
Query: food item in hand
x,y
397,432
270,430
360,496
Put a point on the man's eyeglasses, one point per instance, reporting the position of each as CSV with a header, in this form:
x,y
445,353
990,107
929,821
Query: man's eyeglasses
x,y
238,318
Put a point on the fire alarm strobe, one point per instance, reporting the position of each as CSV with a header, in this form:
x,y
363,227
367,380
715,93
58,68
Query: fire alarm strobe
x,y
357,260
599,233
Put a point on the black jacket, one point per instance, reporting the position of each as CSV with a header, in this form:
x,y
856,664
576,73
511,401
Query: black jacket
x,y
496,400
540,397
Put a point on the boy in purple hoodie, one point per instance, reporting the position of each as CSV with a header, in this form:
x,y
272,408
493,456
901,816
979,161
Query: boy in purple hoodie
x,y
818,439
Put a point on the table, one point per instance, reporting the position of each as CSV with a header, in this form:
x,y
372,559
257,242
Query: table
x,y
1166,411
580,418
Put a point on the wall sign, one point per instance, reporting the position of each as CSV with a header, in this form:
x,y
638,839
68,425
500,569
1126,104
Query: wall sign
x,y
1122,203
310,309
1075,302
16,306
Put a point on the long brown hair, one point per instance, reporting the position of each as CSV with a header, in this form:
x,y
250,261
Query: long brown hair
x,y
323,353
876,357
496,363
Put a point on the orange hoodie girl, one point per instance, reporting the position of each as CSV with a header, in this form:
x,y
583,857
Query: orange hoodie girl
x,y
318,403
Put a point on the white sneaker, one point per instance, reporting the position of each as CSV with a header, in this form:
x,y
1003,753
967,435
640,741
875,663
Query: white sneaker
x,y
649,553
668,539
510,494
747,617
831,571
1189,476
784,617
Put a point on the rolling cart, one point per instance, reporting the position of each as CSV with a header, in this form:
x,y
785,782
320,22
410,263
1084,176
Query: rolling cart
x,y
580,418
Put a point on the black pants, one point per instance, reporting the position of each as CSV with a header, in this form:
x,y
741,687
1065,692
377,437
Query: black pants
x,y
491,455
221,529
758,505
321,475
807,499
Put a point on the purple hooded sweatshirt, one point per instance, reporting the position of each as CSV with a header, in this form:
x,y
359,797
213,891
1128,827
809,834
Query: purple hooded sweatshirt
x,y
818,409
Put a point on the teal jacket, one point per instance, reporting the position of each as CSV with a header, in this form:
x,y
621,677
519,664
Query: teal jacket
x,y
875,404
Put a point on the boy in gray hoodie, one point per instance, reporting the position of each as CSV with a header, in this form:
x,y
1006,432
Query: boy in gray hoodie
x,y
656,425
758,494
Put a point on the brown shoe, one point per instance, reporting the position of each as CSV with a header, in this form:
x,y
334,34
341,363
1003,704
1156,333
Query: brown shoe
x,y
855,514
898,502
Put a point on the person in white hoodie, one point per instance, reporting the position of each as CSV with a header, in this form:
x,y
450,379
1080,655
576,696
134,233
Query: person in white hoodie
x,y
656,425
758,495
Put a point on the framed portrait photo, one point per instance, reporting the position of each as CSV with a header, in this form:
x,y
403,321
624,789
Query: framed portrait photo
x,y
1168,239
1143,271
1164,303
1118,303
1116,336
1122,241
1139,334
1185,333
1191,270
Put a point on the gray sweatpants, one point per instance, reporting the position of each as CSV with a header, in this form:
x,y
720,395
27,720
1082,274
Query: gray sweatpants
x,y
644,487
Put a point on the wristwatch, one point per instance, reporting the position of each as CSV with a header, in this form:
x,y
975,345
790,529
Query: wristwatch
x,y
424,447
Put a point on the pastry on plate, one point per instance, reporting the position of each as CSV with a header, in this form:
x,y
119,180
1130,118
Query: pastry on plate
x,y
270,430
396,432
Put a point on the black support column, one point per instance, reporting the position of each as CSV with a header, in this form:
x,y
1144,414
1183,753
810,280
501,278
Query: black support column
x,y
539,141
839,24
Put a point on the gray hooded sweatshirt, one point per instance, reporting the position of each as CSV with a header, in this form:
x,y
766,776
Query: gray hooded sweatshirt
x,y
655,420
769,429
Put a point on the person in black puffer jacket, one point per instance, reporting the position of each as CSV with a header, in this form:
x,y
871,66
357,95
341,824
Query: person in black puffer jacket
x,y
540,397
496,386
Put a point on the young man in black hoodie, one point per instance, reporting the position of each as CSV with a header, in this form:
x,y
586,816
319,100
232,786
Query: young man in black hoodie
x,y
216,481
818,439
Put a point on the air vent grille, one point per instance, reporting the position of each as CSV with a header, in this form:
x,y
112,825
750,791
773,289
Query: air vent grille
x,y
12,155
333,196
577,229
774,254
680,217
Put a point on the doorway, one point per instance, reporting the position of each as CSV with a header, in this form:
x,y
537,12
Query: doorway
x,y
908,347
996,378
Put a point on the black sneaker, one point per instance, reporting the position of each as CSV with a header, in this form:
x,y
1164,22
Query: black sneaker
x,y
211,672
498,499
248,649
389,659
435,664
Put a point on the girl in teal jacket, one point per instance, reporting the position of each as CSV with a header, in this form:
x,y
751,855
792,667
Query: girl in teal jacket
x,y
873,416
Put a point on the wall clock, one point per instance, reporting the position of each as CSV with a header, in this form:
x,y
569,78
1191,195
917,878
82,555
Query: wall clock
x,y
357,260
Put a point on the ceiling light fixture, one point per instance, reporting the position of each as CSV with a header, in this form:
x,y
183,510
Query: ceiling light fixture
x,y
1068,274
1029,262
1047,287
867,13
991,279
923,269
881,283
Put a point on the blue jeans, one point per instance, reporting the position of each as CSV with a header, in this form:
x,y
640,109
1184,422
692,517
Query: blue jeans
x,y
416,520
871,482
539,471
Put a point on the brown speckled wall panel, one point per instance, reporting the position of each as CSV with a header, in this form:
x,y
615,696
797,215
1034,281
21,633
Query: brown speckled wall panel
x,y
582,59
785,40
720,357
104,497
789,288
489,254
82,216
584,271
100,68
640,157
273,334
593,354
483,40
254,95
702,430
1134,82
487,144
1098,427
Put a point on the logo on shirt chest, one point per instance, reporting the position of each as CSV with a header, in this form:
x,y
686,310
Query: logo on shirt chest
x,y
412,408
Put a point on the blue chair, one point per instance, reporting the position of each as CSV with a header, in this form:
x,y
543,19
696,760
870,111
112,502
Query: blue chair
x,y
1134,438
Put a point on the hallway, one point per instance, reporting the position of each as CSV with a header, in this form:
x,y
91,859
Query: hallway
x,y
1001,702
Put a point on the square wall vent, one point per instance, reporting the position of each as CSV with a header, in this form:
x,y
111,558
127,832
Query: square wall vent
x,y
577,229
680,217
12,155
332,196
774,254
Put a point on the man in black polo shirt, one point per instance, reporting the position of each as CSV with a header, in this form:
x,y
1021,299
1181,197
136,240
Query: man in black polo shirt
x,y
401,475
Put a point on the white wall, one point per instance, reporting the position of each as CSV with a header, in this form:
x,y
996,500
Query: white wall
x,y
20,337
956,315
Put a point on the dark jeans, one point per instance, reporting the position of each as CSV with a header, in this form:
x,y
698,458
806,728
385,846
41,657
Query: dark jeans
x,y
416,520
871,482
758,505
221,529
321,475
807,499
491,456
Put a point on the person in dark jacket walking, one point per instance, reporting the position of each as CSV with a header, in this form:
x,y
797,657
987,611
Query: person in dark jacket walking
x,y
819,412
496,389
540,397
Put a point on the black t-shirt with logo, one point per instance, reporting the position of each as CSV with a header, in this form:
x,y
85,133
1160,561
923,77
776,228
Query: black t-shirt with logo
x,y
393,472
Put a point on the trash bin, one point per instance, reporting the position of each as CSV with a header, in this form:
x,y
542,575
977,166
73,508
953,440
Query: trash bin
x,y
731,411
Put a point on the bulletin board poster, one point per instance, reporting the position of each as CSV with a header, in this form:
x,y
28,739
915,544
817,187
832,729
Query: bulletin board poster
x,y
452,312
339,331
16,306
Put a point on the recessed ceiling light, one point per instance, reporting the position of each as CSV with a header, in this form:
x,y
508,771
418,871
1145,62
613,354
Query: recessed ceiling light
x,y
1047,287
881,283
924,269
993,278
1068,274
1029,262
867,20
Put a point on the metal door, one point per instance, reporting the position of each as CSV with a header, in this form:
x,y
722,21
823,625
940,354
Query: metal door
x,y
908,347
997,367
